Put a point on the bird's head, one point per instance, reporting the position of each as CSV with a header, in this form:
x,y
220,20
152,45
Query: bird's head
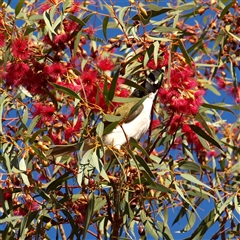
x,y
151,83
154,80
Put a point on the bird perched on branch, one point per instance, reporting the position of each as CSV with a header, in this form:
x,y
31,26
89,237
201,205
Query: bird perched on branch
x,y
135,116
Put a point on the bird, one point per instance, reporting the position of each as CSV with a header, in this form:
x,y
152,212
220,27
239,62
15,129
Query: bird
x,y
135,121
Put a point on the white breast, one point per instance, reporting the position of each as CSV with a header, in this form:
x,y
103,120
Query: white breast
x,y
135,129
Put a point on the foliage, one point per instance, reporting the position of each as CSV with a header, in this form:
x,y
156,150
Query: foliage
x,y
65,65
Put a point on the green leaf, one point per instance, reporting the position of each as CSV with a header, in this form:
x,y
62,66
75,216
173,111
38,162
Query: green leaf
x,y
29,30
184,52
181,214
42,193
33,124
165,231
113,86
149,225
152,14
100,129
237,204
218,106
160,187
218,39
66,90
205,136
76,42
166,29
144,165
190,166
71,221
148,55
58,182
110,127
124,99
19,7
47,20
105,24
97,163
23,167
192,179
200,118
77,20
225,10
89,214
203,227
187,6
111,118
87,18
191,219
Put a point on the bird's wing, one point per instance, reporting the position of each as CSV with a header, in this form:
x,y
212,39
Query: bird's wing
x,y
125,109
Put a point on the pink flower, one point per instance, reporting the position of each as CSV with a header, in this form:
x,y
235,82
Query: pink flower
x,y
55,70
192,137
105,64
75,7
182,96
89,31
46,113
44,7
70,26
20,48
2,40
72,130
17,73
221,82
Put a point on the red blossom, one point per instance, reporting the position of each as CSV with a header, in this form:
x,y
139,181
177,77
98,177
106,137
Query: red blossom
x,y
61,38
155,123
192,137
212,153
75,7
44,7
7,194
161,62
17,73
105,64
2,40
182,96
55,70
20,48
175,123
89,31
31,205
72,130
70,26
221,83
19,212
73,86
235,92
46,113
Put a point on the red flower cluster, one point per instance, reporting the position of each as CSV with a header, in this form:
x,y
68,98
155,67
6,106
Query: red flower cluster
x,y
179,122
92,86
46,113
20,49
183,95
105,64
2,39
55,71
29,206
228,86
2,35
